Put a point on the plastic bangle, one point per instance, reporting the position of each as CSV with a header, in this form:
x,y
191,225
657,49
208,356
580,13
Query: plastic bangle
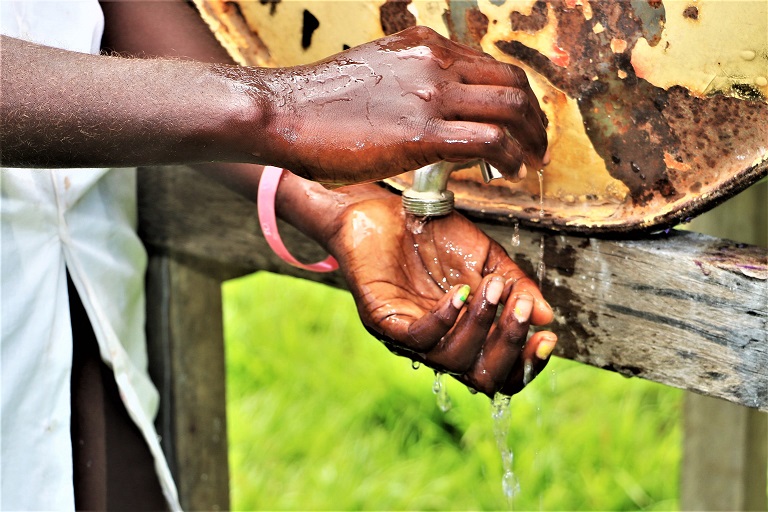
x,y
270,180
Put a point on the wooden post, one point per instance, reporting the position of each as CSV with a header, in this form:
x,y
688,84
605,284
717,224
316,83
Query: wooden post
x,y
185,339
724,456
725,446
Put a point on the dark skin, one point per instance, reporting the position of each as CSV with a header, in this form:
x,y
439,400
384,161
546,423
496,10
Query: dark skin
x,y
392,105
224,113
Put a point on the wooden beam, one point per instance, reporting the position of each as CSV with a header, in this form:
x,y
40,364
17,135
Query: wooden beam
x,y
682,309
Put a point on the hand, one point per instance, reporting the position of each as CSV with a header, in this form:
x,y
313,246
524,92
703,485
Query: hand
x,y
410,282
395,105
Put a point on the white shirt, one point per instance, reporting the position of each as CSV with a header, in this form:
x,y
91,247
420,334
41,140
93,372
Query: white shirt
x,y
84,221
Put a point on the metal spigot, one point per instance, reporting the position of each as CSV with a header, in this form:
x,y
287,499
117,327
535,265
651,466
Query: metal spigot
x,y
429,196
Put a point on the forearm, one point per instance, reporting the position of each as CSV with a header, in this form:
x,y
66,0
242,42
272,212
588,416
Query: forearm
x,y
67,109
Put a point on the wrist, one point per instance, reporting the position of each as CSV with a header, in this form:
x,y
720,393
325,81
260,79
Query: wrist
x,y
249,132
309,207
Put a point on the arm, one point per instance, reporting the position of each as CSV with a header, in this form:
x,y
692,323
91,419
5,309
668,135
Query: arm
x,y
344,119
413,312
445,295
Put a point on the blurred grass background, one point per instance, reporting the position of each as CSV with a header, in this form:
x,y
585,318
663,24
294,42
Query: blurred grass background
x,y
322,417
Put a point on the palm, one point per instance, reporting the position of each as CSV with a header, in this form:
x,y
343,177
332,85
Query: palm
x,y
405,275
400,267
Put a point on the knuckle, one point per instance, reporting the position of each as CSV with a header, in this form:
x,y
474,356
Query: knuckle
x,y
423,31
494,135
516,99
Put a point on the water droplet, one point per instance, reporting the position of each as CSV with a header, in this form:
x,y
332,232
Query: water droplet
x,y
510,485
748,55
441,392
416,224
635,167
415,365
528,372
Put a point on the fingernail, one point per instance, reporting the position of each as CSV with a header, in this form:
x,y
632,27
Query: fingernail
x,y
460,297
523,308
523,172
494,290
545,348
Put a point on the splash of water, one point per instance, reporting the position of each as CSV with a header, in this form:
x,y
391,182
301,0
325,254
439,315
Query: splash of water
x,y
502,419
441,393
416,224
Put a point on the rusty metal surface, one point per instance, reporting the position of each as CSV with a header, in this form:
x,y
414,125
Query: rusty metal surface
x,y
658,108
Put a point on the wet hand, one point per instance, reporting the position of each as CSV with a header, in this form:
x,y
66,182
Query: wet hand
x,y
444,294
397,104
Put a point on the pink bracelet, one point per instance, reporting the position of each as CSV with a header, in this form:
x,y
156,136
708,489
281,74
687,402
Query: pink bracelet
x,y
270,179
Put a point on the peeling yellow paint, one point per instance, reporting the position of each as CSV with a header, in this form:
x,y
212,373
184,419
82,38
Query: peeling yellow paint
x,y
701,54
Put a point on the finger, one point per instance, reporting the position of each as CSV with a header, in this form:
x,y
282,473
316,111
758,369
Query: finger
x,y
535,357
542,311
493,72
501,74
508,106
458,350
426,332
518,282
464,140
503,347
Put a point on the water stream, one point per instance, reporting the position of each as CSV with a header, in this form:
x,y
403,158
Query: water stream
x,y
542,268
502,419
515,233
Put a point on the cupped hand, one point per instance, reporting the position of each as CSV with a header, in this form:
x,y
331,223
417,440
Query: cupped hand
x,y
432,291
397,104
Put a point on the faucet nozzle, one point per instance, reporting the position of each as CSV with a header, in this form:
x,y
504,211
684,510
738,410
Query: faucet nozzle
x,y
429,196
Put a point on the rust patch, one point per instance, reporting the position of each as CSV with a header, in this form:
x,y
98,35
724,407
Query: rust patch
x,y
649,138
465,22
536,21
691,12
477,23
395,16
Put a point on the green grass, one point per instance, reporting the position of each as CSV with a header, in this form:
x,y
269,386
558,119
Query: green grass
x,y
322,417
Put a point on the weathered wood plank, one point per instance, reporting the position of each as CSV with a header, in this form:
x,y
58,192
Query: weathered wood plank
x,y
682,309
676,309
185,342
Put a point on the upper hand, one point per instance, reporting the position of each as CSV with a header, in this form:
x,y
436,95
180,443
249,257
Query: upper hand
x,y
397,104
409,285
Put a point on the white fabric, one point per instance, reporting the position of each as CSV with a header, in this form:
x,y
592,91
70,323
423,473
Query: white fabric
x,y
83,220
